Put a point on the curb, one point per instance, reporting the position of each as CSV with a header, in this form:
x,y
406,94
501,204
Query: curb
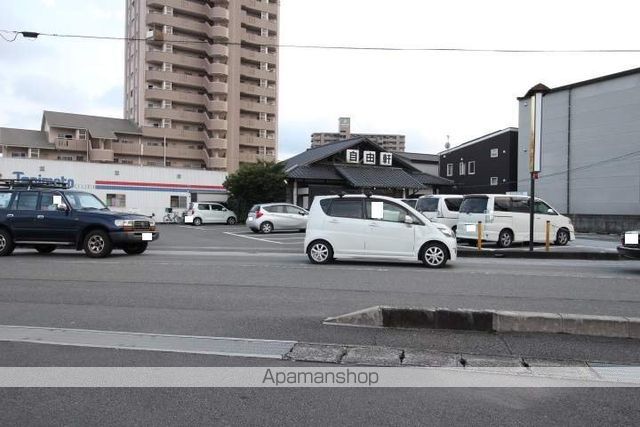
x,y
490,321
601,256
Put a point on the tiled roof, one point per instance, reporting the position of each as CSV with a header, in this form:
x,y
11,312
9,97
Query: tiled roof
x,y
24,138
98,127
428,179
313,155
420,157
378,177
315,172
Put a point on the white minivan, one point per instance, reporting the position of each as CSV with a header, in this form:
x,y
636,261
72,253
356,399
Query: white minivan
x,y
505,220
442,208
374,227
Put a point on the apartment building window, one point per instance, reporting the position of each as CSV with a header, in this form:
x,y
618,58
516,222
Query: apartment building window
x,y
264,15
264,83
34,153
494,153
462,168
116,200
82,134
263,100
472,168
65,136
167,86
65,158
494,180
262,133
264,32
178,202
168,48
449,169
167,67
167,104
166,123
263,117
167,29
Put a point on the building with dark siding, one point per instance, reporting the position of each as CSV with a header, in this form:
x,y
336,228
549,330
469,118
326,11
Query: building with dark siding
x,y
488,164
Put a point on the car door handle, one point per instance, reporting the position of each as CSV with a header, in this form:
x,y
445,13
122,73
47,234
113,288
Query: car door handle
x,y
40,216
334,221
373,224
9,215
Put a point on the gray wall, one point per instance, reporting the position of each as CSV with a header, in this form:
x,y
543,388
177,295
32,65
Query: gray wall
x,y
598,123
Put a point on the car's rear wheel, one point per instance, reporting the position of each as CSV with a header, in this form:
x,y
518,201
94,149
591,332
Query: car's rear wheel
x,y
505,238
6,243
136,249
320,252
266,227
232,220
97,244
197,222
434,255
45,249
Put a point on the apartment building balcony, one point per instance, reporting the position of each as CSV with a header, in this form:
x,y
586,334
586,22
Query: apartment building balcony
x,y
101,155
255,141
258,39
218,12
174,133
257,124
180,60
261,6
217,50
250,89
215,124
71,144
257,73
174,114
216,143
258,107
217,105
175,96
217,68
218,32
269,24
182,5
213,162
247,157
188,24
271,58
178,78
132,148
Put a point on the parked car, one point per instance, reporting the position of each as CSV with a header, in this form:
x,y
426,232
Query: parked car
x,y
441,208
46,216
629,247
374,227
505,220
410,202
265,218
200,213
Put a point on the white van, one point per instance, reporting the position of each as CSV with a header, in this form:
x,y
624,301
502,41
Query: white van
x,y
442,208
374,227
505,220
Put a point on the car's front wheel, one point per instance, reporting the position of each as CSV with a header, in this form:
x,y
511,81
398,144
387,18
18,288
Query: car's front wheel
x,y
505,239
320,252
563,237
6,243
45,249
97,244
136,249
434,255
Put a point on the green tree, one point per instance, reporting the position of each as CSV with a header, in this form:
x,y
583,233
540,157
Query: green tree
x,y
262,182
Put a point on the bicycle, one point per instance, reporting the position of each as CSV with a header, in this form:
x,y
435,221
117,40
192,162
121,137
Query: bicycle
x,y
171,217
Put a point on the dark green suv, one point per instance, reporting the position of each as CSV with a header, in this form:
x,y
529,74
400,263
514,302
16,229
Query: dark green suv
x,y
45,216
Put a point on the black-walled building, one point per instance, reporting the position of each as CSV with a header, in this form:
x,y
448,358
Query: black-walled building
x,y
354,166
488,164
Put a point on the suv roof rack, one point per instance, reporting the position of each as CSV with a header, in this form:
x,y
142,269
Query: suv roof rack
x,y
33,183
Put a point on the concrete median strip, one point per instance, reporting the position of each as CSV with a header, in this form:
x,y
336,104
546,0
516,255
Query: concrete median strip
x,y
490,321
538,254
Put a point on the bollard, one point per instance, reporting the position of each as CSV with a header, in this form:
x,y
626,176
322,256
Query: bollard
x,y
479,235
547,231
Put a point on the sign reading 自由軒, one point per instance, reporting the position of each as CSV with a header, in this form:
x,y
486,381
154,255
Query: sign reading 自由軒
x,y
369,157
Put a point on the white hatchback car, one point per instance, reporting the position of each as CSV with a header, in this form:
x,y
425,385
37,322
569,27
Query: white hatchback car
x,y
375,227
268,217
209,213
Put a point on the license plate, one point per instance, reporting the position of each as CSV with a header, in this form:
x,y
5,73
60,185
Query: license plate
x,y
147,236
631,238
250,218
471,228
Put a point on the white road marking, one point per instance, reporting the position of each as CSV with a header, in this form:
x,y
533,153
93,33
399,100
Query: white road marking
x,y
252,238
269,349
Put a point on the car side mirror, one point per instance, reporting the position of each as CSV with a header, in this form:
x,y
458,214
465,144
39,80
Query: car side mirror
x,y
551,211
408,219
224,209
62,207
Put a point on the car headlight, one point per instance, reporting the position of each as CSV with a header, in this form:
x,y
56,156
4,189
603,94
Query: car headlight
x,y
446,232
152,223
123,223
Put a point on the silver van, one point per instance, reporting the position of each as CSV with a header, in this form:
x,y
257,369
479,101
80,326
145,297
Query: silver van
x,y
442,208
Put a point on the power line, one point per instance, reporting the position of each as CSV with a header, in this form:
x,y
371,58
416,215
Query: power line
x,y
31,34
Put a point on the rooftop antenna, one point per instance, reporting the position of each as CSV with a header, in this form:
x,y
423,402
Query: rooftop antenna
x,y
447,145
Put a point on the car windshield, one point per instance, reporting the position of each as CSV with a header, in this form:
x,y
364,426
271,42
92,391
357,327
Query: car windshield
x,y
85,201
474,205
428,204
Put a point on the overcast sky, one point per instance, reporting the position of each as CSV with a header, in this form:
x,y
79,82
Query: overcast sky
x,y
424,95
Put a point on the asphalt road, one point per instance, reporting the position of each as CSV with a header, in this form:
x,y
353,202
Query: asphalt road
x,y
227,282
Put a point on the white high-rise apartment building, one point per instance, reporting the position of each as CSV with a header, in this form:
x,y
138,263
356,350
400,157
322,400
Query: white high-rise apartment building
x,y
201,79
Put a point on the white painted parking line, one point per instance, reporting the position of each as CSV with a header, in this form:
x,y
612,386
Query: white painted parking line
x,y
269,349
252,238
